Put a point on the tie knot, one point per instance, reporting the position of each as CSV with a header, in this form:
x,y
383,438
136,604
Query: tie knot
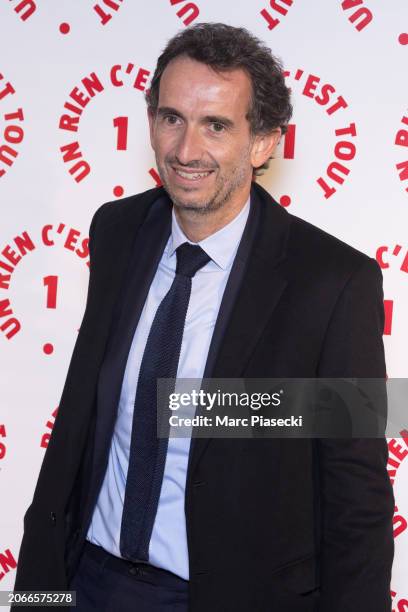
x,y
190,258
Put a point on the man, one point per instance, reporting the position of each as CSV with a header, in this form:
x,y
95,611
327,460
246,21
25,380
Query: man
x,y
210,277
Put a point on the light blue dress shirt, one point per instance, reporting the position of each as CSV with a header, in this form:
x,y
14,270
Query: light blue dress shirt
x,y
168,543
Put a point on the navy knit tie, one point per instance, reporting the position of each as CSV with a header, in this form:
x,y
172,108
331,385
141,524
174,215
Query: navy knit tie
x,y
148,453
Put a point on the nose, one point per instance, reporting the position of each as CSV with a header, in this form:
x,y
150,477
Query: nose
x,y
189,147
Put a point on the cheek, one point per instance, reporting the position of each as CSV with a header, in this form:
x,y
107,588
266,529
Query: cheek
x,y
165,143
234,156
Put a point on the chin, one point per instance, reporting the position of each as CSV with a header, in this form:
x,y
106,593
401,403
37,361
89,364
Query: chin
x,y
190,205
186,198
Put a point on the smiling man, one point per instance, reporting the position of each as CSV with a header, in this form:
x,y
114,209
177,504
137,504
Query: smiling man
x,y
204,146
210,277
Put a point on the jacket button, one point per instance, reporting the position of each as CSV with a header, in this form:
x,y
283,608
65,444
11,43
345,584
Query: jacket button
x,y
53,517
199,483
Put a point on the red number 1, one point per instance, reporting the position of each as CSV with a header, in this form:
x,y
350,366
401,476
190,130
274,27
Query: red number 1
x,y
121,123
289,146
51,282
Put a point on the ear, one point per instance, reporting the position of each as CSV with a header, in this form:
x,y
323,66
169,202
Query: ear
x,y
151,118
264,146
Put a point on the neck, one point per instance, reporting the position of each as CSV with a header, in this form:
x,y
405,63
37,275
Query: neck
x,y
197,226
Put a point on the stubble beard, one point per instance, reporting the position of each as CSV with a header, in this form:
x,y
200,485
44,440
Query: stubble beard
x,y
220,198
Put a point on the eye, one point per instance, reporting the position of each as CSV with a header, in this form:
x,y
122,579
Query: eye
x,y
170,119
217,127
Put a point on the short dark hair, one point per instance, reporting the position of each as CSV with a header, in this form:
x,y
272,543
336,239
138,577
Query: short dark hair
x,y
224,47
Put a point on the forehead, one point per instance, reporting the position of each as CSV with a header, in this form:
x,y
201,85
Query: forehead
x,y
190,86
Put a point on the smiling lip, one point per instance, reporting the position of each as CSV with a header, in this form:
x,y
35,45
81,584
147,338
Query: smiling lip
x,y
191,176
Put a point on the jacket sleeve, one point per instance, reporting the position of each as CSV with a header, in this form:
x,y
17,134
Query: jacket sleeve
x,y
357,500
32,575
91,245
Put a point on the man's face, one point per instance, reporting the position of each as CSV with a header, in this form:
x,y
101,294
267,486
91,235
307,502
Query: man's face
x,y
201,136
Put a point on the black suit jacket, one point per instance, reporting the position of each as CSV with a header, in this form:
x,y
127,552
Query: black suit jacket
x,y
295,525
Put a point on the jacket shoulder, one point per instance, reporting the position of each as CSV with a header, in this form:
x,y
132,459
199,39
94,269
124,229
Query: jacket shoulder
x,y
311,252
135,206
320,250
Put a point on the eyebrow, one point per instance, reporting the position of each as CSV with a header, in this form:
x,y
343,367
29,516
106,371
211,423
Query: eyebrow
x,y
168,110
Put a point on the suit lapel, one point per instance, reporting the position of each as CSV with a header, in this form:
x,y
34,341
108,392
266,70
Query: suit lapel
x,y
260,289
141,262
115,234
254,298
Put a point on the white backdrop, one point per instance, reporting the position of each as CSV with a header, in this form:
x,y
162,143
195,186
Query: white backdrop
x,y
73,134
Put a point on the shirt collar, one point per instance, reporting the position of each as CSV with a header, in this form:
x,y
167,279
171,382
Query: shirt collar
x,y
220,246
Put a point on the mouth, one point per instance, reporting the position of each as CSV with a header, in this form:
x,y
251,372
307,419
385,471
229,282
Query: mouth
x,y
191,176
